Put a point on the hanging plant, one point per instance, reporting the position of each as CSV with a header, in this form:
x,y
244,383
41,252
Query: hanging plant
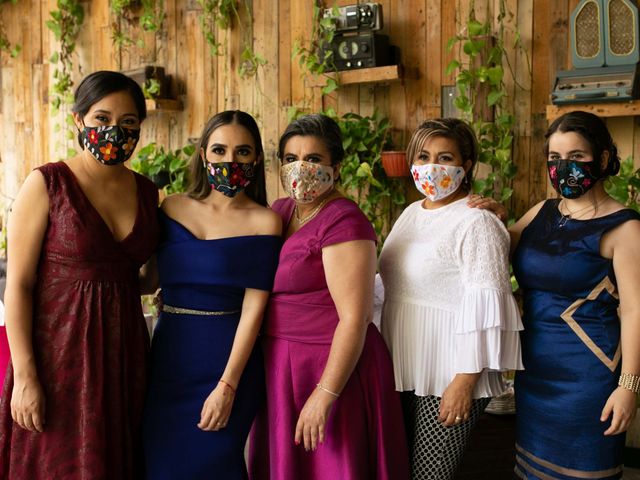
x,y
314,58
125,11
5,44
220,14
65,24
625,187
481,69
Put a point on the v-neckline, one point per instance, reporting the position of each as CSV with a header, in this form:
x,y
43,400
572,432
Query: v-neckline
x,y
75,180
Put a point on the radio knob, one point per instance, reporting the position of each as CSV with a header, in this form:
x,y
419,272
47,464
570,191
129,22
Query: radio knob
x,y
348,64
359,63
364,47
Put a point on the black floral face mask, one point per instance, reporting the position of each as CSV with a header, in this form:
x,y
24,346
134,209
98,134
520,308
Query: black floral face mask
x,y
230,178
570,178
110,145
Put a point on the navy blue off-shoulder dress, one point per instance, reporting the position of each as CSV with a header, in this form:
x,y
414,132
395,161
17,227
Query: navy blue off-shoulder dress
x,y
189,352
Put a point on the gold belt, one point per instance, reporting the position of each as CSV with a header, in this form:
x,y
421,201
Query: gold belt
x,y
189,311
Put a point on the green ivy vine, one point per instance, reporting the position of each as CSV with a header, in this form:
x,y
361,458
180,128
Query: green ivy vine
x,y
65,24
625,187
5,44
150,19
220,14
481,69
314,58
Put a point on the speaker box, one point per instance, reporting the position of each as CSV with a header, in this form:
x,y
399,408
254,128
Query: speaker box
x,y
364,50
604,32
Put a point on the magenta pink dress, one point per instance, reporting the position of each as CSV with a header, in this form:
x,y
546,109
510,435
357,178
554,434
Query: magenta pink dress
x,y
365,436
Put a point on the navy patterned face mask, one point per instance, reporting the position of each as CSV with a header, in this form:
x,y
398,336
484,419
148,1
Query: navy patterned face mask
x,y
572,179
110,145
230,178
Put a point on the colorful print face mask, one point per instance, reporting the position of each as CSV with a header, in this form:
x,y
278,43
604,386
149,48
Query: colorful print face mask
x,y
570,178
230,178
110,145
305,181
437,181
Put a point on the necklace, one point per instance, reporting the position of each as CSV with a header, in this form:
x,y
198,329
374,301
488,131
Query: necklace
x,y
572,215
311,215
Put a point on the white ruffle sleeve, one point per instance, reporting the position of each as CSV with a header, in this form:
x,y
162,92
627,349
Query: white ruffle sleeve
x,y
488,322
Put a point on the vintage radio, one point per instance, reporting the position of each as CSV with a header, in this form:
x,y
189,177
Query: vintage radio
x,y
365,16
591,85
604,32
363,50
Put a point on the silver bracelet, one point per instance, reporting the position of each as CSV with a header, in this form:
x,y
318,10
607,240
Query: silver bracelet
x,y
319,385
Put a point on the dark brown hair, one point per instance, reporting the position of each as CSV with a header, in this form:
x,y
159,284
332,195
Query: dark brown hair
x,y
315,125
199,186
453,128
96,86
593,129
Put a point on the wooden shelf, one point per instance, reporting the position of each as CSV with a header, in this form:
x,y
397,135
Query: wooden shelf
x,y
613,109
163,105
390,73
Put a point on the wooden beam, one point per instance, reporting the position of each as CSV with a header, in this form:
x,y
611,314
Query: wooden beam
x,y
390,73
622,109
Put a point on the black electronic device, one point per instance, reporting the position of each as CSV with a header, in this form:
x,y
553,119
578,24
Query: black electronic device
x,y
363,50
617,83
364,16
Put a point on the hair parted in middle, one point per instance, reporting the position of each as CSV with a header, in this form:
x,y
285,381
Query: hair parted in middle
x,y
453,128
315,125
199,186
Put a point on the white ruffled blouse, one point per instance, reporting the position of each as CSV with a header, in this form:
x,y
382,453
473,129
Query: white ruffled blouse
x,y
448,304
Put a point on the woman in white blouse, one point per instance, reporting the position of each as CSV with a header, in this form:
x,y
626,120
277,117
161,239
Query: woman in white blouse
x,y
449,317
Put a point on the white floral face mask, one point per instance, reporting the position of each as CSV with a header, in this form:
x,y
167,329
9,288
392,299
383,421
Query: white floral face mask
x,y
305,181
437,181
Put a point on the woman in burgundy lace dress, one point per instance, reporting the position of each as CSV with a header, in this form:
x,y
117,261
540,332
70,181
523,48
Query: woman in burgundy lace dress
x,y
78,233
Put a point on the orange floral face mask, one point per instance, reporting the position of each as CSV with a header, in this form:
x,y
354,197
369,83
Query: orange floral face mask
x,y
110,145
437,181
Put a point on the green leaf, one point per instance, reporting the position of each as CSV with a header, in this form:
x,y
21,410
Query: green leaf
x,y
476,28
495,75
494,97
453,66
331,86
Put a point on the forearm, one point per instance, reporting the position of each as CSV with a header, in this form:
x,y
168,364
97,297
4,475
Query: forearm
x,y
244,341
346,347
19,325
148,277
243,344
629,335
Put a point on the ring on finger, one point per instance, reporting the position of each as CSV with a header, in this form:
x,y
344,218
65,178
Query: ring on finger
x,y
458,418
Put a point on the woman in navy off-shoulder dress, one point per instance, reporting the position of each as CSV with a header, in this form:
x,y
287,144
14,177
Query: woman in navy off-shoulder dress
x,y
216,263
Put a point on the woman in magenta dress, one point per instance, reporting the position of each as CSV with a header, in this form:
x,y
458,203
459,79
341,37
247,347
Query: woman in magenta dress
x,y
331,410
78,233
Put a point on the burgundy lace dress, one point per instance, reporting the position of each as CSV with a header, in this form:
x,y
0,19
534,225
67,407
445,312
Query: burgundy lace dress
x,y
90,342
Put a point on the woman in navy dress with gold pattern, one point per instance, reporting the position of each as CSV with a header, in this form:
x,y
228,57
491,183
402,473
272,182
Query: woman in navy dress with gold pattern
x,y
577,259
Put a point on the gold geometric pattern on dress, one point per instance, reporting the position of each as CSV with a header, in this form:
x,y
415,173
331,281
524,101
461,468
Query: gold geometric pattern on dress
x,y
569,472
567,316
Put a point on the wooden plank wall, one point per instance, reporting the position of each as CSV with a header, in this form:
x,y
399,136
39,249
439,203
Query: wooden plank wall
x,y
420,28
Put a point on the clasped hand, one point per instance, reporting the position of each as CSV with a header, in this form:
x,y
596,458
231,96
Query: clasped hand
x,y
310,429
622,404
455,405
216,409
27,404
